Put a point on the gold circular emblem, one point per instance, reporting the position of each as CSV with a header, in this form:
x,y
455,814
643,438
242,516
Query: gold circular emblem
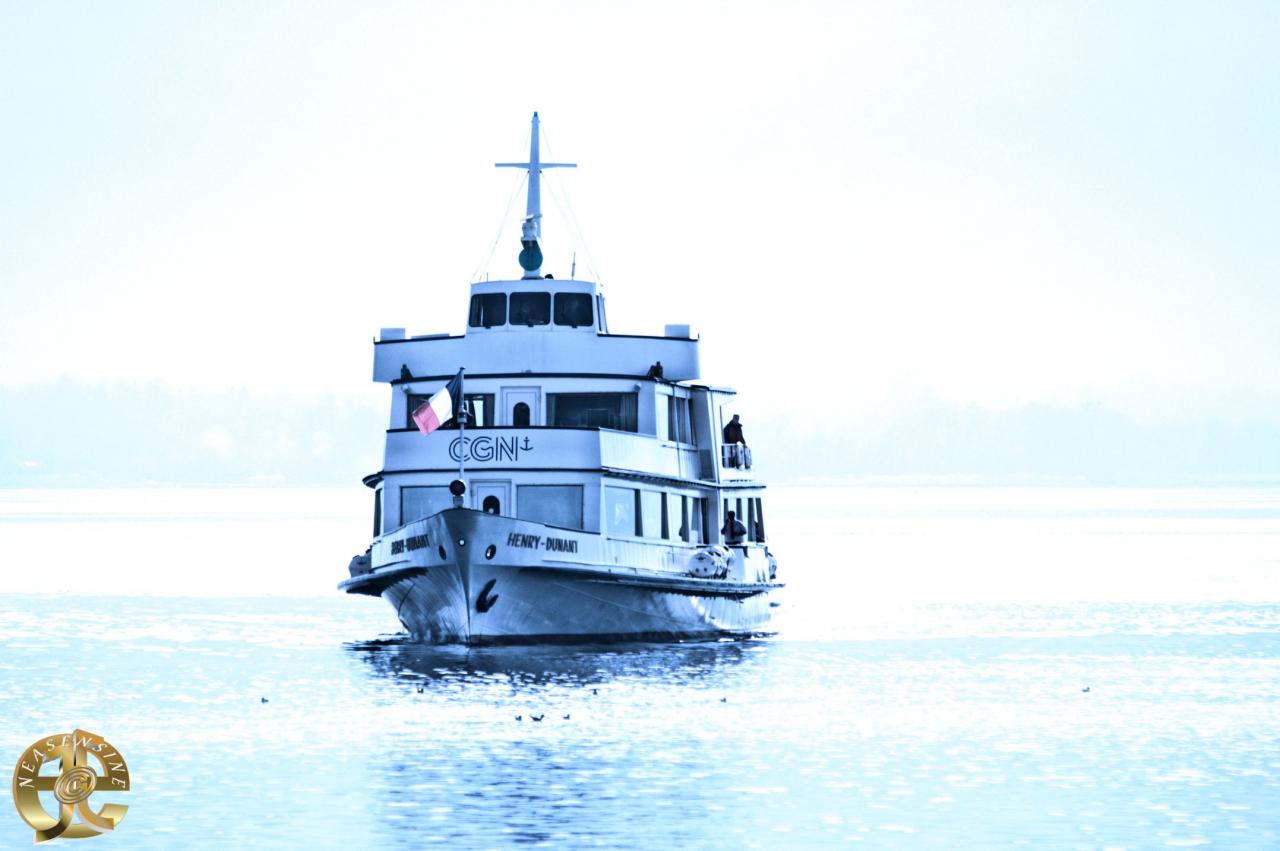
x,y
64,765
75,785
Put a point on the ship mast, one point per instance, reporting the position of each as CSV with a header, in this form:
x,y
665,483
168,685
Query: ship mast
x,y
531,231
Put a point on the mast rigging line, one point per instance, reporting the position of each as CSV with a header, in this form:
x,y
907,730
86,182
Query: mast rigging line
x,y
570,216
502,226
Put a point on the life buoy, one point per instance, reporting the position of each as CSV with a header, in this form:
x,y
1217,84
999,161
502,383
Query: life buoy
x,y
710,563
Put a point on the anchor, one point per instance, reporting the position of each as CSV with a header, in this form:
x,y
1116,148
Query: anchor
x,y
484,602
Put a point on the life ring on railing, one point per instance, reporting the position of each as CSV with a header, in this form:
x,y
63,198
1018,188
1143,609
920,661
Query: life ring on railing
x,y
710,563
360,565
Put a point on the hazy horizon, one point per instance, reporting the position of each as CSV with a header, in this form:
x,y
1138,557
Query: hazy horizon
x,y
107,435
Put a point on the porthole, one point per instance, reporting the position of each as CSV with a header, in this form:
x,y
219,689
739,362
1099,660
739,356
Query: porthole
x,y
490,551
440,549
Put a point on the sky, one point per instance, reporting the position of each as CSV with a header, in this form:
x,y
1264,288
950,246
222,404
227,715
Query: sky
x,y
878,216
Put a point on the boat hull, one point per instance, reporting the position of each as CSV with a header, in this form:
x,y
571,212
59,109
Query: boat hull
x,y
481,579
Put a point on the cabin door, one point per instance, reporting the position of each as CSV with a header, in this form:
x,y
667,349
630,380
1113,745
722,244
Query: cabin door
x,y
492,497
521,406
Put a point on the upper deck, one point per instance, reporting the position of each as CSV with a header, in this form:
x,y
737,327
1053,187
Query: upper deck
x,y
538,326
565,422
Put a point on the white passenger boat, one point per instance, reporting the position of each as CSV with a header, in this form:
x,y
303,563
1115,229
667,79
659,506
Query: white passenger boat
x,y
587,487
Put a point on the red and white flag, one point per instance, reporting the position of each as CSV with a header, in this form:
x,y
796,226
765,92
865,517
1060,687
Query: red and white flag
x,y
441,407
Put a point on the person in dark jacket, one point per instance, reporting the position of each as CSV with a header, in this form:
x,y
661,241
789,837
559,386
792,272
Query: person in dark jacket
x,y
733,432
734,532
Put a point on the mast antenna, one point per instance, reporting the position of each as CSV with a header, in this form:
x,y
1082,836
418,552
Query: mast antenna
x,y
531,230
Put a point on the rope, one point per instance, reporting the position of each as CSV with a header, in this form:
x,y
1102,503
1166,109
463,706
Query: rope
x,y
567,212
502,224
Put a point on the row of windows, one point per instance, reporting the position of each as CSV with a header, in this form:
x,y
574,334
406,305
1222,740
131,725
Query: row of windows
x,y
630,512
655,514
491,309
570,410
558,505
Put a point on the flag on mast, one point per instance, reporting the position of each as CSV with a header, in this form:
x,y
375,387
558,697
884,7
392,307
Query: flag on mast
x,y
441,407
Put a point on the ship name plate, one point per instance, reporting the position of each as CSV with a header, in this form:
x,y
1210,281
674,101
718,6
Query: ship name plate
x,y
537,542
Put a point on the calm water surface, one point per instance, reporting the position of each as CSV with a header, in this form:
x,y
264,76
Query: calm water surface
x,y
925,690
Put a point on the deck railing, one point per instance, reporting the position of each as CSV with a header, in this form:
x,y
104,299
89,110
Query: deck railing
x,y
735,456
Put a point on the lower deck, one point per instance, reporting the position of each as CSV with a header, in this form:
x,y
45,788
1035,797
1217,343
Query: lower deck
x,y
467,576
638,516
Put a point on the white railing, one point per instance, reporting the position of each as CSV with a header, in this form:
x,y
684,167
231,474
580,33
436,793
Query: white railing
x,y
643,453
735,456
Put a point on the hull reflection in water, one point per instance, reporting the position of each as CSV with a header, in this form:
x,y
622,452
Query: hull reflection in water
x,y
408,661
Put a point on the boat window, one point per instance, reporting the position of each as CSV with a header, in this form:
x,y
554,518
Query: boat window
x,y
757,531
530,308
520,414
672,517
488,309
593,410
663,402
377,512
697,519
558,505
620,509
679,427
573,309
650,514
491,505
480,410
419,502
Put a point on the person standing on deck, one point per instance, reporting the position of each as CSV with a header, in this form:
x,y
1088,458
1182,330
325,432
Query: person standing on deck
x,y
734,532
733,432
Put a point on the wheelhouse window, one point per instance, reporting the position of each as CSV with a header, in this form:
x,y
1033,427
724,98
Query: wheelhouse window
x,y
480,410
530,308
620,511
573,309
593,410
488,310
558,505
